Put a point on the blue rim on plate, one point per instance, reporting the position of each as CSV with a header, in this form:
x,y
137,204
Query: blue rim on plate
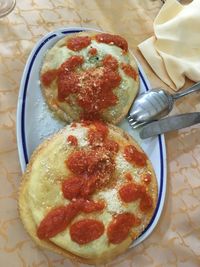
x,y
21,134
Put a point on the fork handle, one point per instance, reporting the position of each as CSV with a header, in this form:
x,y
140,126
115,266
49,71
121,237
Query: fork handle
x,y
187,91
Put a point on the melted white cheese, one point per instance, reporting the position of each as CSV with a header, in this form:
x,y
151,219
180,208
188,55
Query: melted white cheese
x,y
123,167
80,134
61,54
125,92
48,171
114,205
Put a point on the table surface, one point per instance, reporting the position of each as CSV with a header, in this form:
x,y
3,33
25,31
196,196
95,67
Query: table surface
x,y
176,239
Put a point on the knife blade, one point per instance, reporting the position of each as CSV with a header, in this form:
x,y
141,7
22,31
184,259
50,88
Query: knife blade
x,y
170,124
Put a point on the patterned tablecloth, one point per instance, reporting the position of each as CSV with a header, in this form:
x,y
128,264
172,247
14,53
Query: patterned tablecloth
x,y
176,239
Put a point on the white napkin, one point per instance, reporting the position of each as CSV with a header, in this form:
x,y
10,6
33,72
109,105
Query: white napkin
x,y
174,51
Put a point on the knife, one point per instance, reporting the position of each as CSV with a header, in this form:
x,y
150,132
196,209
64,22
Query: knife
x,y
170,124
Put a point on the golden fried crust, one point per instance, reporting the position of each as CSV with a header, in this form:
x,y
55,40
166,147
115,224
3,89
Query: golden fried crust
x,y
69,113
29,223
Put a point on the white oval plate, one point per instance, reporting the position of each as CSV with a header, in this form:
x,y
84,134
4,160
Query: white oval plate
x,y
35,121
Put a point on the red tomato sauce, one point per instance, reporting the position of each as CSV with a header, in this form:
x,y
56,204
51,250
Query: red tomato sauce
x,y
78,43
56,221
90,162
119,229
147,178
71,187
95,137
101,127
83,162
128,177
67,84
59,218
48,77
88,206
129,70
111,145
96,93
93,88
146,203
93,166
67,81
131,192
74,187
112,39
86,230
72,140
90,185
91,206
71,64
87,123
134,156
93,51
98,134
110,62
90,116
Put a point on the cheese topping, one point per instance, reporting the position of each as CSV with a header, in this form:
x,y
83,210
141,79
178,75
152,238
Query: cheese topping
x,y
80,134
114,205
92,90
47,198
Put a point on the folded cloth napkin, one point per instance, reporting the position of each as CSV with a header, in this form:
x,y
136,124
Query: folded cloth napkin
x,y
174,51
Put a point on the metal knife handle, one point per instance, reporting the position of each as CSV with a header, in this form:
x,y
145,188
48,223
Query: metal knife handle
x,y
170,124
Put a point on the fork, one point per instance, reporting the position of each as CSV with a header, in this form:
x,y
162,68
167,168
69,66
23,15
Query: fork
x,y
155,104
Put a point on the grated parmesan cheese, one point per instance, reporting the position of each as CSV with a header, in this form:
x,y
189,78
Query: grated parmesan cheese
x,y
80,133
123,166
112,200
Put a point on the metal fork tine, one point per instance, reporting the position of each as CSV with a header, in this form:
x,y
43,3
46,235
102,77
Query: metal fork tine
x,y
135,124
130,119
139,124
